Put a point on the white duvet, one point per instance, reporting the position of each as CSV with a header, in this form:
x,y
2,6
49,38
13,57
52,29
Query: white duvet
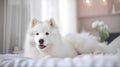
x,y
10,60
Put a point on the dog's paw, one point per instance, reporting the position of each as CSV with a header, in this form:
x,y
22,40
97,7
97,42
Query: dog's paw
x,y
45,57
48,56
97,52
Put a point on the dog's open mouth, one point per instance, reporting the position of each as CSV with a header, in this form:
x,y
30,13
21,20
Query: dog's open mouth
x,y
42,46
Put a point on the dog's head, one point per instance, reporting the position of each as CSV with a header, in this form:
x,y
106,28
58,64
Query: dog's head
x,y
43,33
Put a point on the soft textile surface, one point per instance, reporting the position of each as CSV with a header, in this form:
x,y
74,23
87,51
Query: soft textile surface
x,y
115,43
79,61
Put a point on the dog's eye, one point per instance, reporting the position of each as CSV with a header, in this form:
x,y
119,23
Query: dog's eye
x,y
47,33
37,33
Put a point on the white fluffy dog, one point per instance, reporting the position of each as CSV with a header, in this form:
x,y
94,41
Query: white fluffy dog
x,y
43,39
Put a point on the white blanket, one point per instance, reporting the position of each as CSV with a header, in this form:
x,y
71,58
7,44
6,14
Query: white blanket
x,y
9,60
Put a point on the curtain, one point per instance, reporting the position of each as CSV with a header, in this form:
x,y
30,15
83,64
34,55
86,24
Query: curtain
x,y
67,16
18,13
16,18
63,12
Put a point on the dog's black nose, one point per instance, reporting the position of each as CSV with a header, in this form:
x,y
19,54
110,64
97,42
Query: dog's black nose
x,y
41,41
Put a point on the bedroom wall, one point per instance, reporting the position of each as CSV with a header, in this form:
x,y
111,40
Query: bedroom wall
x,y
113,22
1,24
97,10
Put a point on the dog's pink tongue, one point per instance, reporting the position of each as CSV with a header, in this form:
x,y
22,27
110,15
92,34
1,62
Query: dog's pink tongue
x,y
41,46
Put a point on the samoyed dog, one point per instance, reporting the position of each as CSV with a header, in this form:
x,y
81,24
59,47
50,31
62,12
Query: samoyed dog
x,y
43,39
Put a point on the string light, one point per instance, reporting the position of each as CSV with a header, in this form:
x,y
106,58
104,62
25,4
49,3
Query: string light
x,y
105,2
88,2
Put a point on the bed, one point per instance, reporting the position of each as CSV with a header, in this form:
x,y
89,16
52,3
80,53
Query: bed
x,y
87,60
84,60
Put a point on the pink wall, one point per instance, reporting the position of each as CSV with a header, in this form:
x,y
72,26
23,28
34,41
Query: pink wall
x,y
113,22
95,8
98,11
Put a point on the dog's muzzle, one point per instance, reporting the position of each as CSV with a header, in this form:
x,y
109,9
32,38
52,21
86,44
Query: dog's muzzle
x,y
41,46
41,42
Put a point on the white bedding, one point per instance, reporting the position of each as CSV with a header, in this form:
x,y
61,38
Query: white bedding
x,y
9,60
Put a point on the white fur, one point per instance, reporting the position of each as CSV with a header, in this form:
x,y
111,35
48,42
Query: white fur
x,y
85,43
56,46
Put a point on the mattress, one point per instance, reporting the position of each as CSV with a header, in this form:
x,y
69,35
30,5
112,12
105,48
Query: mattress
x,y
86,60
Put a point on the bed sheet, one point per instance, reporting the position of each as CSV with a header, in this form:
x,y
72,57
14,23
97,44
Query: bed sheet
x,y
87,60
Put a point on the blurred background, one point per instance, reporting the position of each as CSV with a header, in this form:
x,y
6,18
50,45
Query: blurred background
x,y
70,16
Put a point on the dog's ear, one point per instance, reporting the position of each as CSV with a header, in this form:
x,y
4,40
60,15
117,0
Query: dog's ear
x,y
34,22
52,22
